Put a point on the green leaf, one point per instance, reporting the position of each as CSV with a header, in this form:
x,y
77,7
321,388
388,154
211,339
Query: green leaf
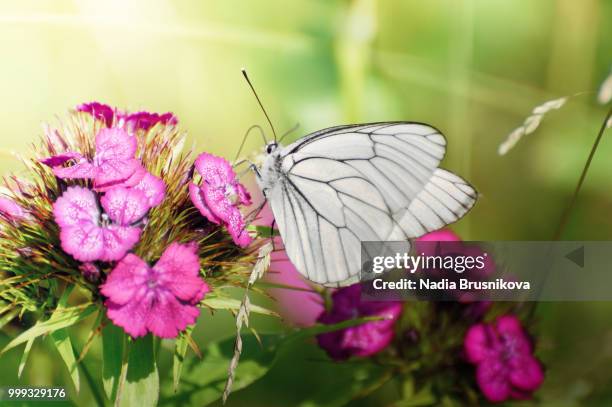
x,y
180,350
62,343
61,318
113,341
203,380
24,356
141,385
233,304
8,317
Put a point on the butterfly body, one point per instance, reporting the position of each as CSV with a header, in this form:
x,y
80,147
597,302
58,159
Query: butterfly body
x,y
270,171
335,188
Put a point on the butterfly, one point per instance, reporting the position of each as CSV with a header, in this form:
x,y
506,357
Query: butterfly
x,y
335,188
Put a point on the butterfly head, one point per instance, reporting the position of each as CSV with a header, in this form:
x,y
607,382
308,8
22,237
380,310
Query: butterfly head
x,y
271,147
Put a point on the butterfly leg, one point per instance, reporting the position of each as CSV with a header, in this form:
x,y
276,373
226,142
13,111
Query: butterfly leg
x,y
272,234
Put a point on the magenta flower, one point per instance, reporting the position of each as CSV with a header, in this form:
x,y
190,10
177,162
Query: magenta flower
x,y
99,111
11,210
89,235
503,355
146,120
220,195
362,340
90,271
151,186
130,121
442,235
161,299
114,163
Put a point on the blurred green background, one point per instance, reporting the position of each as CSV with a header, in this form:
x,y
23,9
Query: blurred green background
x,y
474,69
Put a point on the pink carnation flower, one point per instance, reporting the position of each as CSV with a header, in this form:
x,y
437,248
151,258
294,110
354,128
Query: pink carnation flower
x,y
503,355
114,163
11,210
362,340
99,111
130,121
161,299
87,234
146,120
220,195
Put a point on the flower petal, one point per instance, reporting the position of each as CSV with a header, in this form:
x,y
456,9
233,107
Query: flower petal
x,y
168,316
125,206
145,120
510,329
84,242
243,195
115,144
61,159
236,226
76,206
154,189
114,173
80,170
197,197
11,210
215,171
478,343
99,111
527,375
223,209
492,378
117,241
132,316
126,279
178,270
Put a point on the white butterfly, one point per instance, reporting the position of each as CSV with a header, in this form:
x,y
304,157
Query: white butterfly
x,y
337,187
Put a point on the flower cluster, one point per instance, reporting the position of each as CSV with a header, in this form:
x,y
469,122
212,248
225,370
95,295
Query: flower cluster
x,y
131,121
120,197
129,193
439,335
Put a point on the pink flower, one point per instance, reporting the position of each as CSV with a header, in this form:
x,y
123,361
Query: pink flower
x,y
114,163
130,121
362,340
503,355
443,235
99,111
89,235
161,299
146,120
90,271
220,195
11,210
61,159
154,188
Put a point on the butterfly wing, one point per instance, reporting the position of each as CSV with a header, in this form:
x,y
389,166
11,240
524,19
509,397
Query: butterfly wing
x,y
374,182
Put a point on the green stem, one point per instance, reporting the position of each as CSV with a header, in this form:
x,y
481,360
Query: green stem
x,y
572,202
587,165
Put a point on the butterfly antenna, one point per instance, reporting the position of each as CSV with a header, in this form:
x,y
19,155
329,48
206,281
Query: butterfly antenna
x,y
244,73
